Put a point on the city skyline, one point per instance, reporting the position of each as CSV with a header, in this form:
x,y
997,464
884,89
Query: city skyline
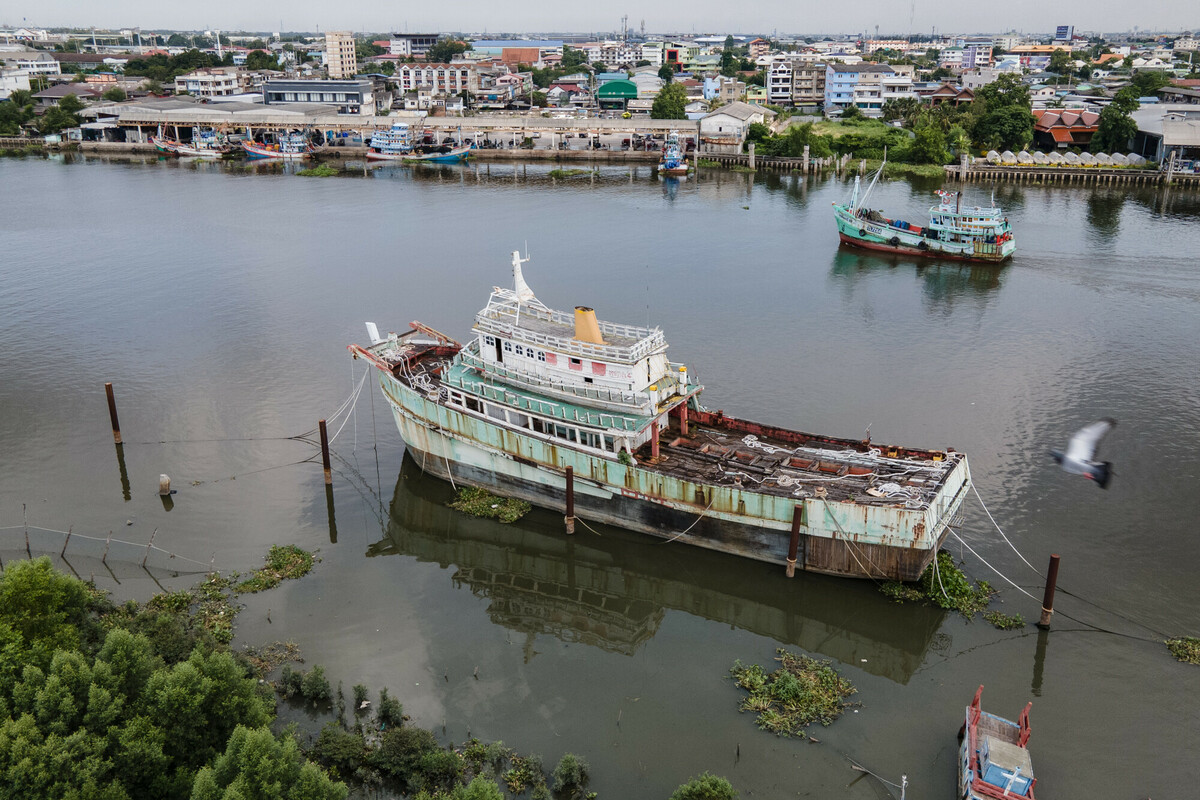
x,y
704,17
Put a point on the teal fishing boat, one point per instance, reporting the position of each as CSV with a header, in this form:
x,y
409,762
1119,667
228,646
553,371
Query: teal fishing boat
x,y
953,231
589,417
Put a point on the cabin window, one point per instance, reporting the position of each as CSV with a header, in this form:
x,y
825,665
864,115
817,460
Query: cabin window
x,y
495,412
576,364
520,350
489,340
508,345
541,356
588,380
518,419
610,444
472,404
538,426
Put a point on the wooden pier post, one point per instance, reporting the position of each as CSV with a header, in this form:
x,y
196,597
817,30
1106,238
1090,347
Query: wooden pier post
x,y
332,520
325,453
112,413
794,544
1048,598
570,515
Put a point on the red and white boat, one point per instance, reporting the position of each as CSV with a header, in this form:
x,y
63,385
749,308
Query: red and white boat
x,y
290,146
993,763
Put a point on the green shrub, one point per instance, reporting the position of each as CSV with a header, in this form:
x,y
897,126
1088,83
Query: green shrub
x,y
571,775
705,787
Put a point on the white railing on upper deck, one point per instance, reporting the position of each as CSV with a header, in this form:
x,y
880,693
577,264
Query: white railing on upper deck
x,y
546,408
502,315
637,402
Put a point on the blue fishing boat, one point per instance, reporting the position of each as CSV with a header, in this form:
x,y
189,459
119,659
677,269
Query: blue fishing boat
x,y
993,763
673,161
393,144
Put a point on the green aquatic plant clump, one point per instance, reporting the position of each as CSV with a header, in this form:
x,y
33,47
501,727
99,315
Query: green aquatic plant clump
x,y
283,562
1185,648
482,503
943,584
1005,622
320,171
802,691
568,173
707,162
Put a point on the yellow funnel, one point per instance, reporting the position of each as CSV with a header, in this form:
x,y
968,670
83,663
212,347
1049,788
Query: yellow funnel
x,y
586,327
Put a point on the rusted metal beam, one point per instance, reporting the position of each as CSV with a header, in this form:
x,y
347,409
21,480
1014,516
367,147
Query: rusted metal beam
x,y
794,544
570,515
325,453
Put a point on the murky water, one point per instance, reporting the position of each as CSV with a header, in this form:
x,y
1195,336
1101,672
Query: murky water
x,y
219,301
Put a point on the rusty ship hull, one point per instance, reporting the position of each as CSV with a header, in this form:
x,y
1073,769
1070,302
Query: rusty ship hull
x,y
705,479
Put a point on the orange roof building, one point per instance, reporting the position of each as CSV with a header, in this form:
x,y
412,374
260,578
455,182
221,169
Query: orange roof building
x,y
1062,128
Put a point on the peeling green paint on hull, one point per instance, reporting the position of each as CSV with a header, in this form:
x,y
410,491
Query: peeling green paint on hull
x,y
840,538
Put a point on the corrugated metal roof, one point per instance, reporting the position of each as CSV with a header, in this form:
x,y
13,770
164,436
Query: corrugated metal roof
x,y
1181,132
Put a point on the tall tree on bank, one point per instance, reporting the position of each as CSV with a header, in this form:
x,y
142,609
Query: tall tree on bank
x,y
1116,127
670,103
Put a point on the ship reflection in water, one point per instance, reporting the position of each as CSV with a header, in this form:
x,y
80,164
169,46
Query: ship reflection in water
x,y
612,590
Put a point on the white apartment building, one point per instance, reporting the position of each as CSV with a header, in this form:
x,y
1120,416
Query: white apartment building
x,y
414,45
32,62
210,82
652,52
341,61
1187,42
779,82
612,54
438,78
871,45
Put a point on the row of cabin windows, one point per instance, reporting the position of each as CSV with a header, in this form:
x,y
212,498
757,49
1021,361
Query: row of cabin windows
x,y
520,350
536,424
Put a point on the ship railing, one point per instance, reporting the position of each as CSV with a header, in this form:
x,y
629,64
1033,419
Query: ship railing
x,y
631,354
503,318
547,408
637,400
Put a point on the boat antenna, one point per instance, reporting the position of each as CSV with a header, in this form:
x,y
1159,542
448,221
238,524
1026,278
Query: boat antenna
x,y
875,179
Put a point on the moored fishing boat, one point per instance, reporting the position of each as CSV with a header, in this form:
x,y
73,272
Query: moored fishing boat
x,y
205,143
444,154
673,160
289,146
954,232
391,144
993,762
542,405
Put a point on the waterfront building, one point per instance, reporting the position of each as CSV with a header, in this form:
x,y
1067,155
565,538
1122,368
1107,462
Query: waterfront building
x,y
82,91
725,130
441,79
341,61
411,45
210,82
1063,128
864,85
350,97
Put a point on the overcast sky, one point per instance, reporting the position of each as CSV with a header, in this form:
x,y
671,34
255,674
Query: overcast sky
x,y
701,16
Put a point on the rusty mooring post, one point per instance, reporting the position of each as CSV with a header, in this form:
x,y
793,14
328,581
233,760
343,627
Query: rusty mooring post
x,y
794,545
654,440
325,453
1048,598
112,413
570,517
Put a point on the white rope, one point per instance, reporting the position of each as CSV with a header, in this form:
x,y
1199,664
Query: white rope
x,y
975,489
993,569
352,401
694,524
